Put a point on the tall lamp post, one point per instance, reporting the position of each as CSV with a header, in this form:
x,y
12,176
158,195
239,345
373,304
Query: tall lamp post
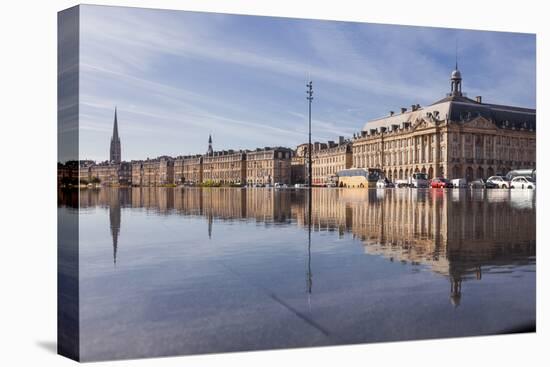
x,y
309,93
309,280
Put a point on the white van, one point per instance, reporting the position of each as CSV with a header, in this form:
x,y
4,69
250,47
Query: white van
x,y
419,180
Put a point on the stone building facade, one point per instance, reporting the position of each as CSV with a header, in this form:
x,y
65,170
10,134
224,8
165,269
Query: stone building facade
x,y
225,167
455,137
328,159
166,171
298,165
150,172
110,174
192,170
137,173
153,172
268,166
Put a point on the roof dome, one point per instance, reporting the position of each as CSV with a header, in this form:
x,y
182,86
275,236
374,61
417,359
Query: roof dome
x,y
456,74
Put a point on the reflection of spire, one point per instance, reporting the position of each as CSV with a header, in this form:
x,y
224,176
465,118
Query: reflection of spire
x,y
114,221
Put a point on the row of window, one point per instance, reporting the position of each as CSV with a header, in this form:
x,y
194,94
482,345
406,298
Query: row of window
x,y
398,158
489,139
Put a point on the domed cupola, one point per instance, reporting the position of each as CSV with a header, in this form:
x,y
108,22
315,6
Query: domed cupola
x,y
456,82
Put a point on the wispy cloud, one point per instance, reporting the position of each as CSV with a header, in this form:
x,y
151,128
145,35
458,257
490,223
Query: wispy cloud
x,y
178,76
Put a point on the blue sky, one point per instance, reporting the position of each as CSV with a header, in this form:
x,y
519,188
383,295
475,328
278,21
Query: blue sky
x,y
178,76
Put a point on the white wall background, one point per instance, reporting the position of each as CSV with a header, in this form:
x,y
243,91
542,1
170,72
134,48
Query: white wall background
x,y
28,178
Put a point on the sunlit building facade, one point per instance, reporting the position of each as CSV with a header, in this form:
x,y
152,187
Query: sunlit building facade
x,y
225,167
268,166
328,159
455,137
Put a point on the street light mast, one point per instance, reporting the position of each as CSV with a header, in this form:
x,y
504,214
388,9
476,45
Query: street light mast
x,y
309,93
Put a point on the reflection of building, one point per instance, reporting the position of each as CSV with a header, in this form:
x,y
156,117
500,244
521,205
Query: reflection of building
x,y
454,137
329,159
455,238
268,166
452,238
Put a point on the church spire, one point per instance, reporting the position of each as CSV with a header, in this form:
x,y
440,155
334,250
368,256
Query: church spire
x,y
115,127
210,151
115,153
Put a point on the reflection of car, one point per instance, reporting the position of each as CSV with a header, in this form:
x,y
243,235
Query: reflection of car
x,y
440,183
384,183
497,182
299,186
477,184
401,183
522,182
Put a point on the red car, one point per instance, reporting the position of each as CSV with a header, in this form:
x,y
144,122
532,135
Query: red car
x,y
440,183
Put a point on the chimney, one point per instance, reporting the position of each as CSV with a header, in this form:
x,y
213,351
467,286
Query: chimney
x,y
391,113
403,109
478,99
413,107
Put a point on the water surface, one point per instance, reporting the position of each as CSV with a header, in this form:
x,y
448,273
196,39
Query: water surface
x,y
188,270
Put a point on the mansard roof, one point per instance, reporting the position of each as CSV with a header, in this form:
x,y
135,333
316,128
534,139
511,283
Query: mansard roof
x,y
456,109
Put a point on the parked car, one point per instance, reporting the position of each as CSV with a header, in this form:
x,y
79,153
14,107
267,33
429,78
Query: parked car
x,y
418,179
477,184
497,182
532,173
522,182
459,182
299,186
440,183
384,183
